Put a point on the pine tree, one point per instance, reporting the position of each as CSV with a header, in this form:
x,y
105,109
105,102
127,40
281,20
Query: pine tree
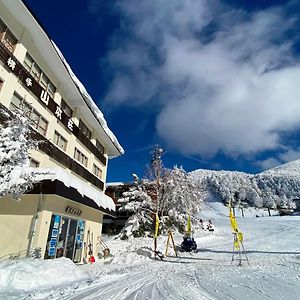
x,y
14,146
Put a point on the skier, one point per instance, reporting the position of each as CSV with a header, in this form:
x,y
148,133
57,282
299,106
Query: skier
x,y
210,226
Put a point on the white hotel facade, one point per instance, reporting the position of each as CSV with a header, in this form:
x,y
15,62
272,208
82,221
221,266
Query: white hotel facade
x,y
63,213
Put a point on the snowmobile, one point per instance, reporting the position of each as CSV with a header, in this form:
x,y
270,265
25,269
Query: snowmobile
x,y
188,244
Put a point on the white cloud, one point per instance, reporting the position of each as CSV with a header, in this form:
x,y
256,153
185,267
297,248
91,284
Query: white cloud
x,y
290,155
233,88
268,163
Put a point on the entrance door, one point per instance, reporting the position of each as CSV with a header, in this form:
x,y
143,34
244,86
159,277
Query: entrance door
x,y
65,238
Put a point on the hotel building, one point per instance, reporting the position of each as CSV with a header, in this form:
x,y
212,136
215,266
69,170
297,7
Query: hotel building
x,y
63,214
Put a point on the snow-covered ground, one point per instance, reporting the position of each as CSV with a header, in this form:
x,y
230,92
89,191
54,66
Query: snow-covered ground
x,y
273,249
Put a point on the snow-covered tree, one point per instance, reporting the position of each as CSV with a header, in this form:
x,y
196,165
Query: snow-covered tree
x,y
140,204
14,145
171,193
270,189
180,197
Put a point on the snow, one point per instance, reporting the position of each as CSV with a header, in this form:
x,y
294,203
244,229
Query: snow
x,y
291,168
27,275
272,245
70,180
89,101
276,187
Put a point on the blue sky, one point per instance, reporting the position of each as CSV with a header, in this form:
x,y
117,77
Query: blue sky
x,y
216,83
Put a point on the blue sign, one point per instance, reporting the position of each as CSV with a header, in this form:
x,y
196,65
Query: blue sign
x,y
56,221
53,242
51,251
54,233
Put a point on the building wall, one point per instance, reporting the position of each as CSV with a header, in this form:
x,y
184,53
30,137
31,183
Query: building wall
x,y
11,84
16,219
15,222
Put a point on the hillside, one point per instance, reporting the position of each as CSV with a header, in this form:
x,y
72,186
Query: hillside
x,y
273,188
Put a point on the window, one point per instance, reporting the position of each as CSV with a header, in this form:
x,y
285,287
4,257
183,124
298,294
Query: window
x,y
99,146
33,163
84,129
28,62
59,140
37,73
79,156
66,108
38,121
97,171
7,38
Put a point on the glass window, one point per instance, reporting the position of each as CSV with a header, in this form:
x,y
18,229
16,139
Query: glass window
x,y
59,140
2,28
99,146
44,81
97,171
79,156
66,108
51,89
36,72
38,121
28,62
84,129
7,38
42,126
35,117
16,102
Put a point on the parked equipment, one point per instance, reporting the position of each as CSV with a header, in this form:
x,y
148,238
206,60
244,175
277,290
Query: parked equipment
x,y
105,249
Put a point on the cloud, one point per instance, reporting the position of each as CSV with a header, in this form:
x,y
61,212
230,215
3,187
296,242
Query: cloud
x,y
268,163
290,155
224,80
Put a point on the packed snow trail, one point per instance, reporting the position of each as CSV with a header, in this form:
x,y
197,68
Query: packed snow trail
x,y
273,249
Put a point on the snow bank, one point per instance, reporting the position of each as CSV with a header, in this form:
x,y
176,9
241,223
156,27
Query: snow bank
x,y
27,275
89,101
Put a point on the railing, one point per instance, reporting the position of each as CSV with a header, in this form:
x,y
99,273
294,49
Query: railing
x,y
54,152
12,64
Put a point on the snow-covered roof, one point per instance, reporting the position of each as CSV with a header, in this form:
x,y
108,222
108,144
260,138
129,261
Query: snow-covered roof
x,y
89,101
73,89
70,180
115,183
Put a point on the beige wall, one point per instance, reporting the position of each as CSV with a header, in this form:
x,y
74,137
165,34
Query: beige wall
x,y
16,220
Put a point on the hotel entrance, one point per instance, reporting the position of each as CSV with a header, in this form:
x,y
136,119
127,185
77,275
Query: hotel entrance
x,y
65,238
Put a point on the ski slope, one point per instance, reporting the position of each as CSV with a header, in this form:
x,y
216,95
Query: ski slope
x,y
273,250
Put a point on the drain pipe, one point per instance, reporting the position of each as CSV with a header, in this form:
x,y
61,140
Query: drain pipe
x,y
34,222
